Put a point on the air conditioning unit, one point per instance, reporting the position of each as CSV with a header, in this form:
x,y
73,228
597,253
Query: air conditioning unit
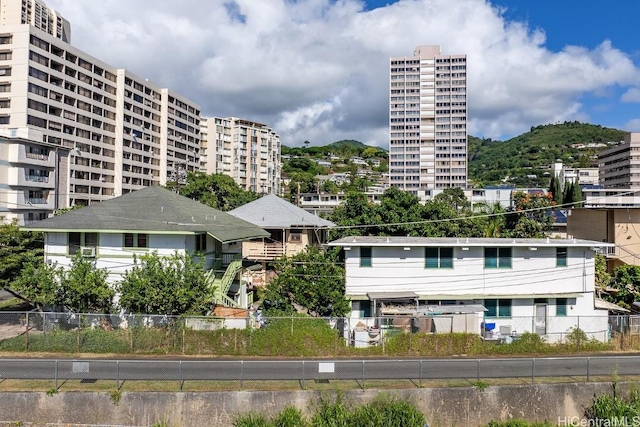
x,y
88,251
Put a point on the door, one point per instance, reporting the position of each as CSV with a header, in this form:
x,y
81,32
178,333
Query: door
x,y
540,321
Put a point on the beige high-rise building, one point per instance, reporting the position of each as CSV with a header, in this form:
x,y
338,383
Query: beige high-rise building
x,y
428,121
617,165
245,150
122,131
36,13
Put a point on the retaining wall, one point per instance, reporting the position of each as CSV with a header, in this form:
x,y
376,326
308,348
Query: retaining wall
x,y
443,407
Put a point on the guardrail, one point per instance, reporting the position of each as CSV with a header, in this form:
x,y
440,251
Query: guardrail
x,y
415,370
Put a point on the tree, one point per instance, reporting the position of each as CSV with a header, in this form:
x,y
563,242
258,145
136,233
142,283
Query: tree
x,y
84,288
454,197
216,190
490,218
355,211
602,276
16,249
555,188
39,285
171,285
531,215
301,182
624,285
313,280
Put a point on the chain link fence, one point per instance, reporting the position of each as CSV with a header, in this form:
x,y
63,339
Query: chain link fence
x,y
144,334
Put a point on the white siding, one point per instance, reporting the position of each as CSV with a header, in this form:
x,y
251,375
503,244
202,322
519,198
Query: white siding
x,y
532,272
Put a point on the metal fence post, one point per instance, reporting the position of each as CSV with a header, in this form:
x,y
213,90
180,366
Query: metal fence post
x,y
303,382
588,368
26,333
78,335
117,375
56,374
241,374
420,383
533,368
478,371
362,375
181,381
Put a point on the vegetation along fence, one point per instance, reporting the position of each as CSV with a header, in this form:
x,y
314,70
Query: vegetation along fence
x,y
298,335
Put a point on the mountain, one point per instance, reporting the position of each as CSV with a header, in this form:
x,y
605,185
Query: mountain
x,y
526,160
523,161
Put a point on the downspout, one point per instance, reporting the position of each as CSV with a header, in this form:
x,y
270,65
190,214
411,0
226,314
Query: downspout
x,y
56,180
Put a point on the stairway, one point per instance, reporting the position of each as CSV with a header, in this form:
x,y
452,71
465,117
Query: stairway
x,y
219,286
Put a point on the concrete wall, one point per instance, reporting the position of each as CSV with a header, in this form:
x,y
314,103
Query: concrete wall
x,y
443,407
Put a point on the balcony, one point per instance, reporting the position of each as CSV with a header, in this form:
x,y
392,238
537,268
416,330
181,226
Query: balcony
x,y
18,154
262,251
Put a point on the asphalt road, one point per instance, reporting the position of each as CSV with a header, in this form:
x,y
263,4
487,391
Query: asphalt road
x,y
369,369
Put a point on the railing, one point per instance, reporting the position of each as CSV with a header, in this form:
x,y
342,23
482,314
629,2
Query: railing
x,y
264,251
37,156
37,178
361,371
36,200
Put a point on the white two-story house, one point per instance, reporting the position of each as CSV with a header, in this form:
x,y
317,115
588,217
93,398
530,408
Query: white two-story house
x,y
114,232
509,286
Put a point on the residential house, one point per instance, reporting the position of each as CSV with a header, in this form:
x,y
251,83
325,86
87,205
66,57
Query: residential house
x,y
116,231
291,229
545,286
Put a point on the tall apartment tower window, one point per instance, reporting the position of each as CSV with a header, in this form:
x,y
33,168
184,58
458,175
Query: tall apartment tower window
x,y
428,121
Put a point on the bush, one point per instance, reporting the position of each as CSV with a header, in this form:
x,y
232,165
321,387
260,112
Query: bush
x,y
384,411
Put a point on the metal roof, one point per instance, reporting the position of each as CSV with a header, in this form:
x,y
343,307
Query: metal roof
x,y
154,210
390,241
606,305
271,211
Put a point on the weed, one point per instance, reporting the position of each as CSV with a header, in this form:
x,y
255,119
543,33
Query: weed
x,y
52,391
115,396
480,385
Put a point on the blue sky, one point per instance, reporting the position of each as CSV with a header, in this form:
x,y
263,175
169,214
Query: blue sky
x,y
317,70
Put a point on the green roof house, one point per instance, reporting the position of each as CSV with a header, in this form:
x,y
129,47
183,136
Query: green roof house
x,y
151,219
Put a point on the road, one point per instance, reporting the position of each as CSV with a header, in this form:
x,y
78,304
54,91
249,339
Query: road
x,y
367,369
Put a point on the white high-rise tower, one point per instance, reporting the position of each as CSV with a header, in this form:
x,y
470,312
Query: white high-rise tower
x,y
428,121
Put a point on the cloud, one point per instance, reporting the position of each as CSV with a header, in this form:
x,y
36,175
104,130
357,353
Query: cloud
x,y
317,70
633,125
631,95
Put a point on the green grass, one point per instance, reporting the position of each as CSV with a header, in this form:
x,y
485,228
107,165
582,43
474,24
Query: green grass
x,y
298,337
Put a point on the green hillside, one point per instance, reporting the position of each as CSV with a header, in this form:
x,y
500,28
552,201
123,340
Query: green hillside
x,y
525,160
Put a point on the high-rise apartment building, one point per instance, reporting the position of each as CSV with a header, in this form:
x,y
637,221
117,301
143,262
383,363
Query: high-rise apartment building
x,y
245,150
617,165
36,13
122,131
428,121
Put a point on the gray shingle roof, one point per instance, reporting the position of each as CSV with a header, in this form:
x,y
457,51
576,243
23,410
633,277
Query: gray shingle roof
x,y
271,211
155,210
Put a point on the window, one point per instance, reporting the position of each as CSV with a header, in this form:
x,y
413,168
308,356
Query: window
x,y
132,240
438,258
497,257
561,306
497,308
361,308
201,243
77,240
295,235
365,256
561,257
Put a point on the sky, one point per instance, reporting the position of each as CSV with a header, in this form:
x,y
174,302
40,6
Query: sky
x,y
318,70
